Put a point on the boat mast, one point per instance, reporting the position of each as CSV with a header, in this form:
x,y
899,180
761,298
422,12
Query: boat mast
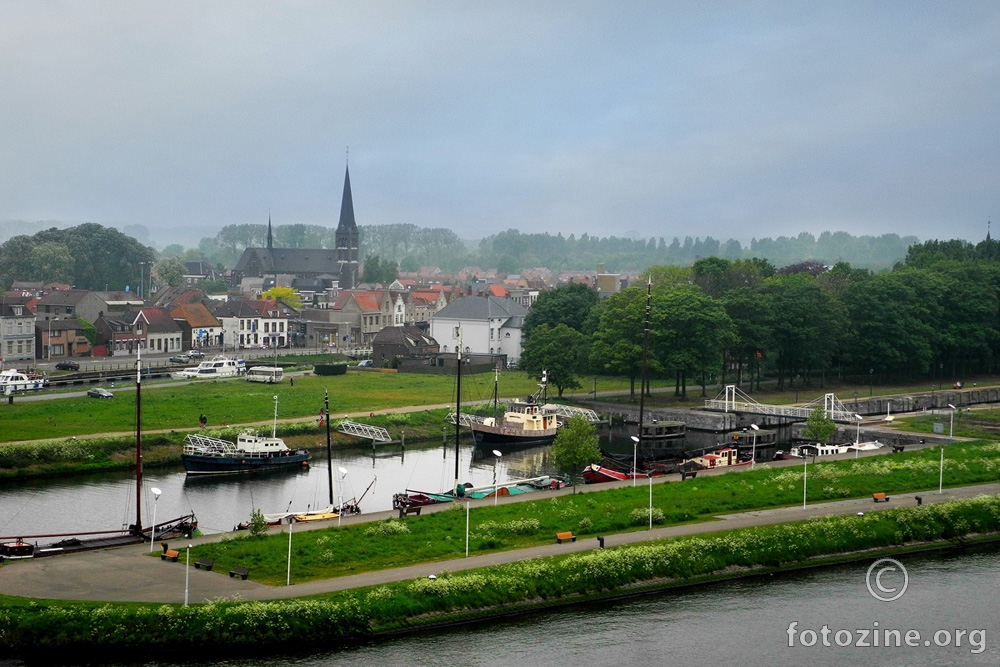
x,y
329,451
274,429
496,392
138,439
458,406
645,355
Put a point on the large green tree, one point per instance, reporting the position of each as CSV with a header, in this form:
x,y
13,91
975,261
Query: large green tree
x,y
569,305
575,446
559,350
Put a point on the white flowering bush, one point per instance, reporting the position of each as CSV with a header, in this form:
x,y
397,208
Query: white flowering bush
x,y
390,527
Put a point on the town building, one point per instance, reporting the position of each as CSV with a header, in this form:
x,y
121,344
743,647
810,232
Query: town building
x,y
17,332
485,325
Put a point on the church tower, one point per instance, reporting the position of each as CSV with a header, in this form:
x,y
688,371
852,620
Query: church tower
x,y
347,238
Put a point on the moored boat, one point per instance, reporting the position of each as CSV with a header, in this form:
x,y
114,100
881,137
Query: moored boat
x,y
402,501
595,473
523,422
220,366
252,452
13,380
204,455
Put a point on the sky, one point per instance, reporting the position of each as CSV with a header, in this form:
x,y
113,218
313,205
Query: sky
x,y
628,118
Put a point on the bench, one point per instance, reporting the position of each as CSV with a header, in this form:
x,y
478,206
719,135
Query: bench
x,y
170,554
567,536
206,563
880,497
896,449
685,475
240,572
404,511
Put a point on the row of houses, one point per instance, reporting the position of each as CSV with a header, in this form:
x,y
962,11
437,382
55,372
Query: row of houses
x,y
67,323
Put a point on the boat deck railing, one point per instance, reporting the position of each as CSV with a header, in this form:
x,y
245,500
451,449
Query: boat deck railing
x,y
571,411
466,419
196,443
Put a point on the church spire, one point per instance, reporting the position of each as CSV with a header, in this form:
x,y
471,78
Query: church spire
x,y
270,237
347,222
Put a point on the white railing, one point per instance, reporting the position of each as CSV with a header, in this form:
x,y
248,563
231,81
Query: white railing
x,y
375,433
571,411
737,401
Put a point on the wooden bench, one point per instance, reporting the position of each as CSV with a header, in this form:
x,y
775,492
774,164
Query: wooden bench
x,y
240,572
404,511
566,536
170,554
206,563
685,475
880,497
896,449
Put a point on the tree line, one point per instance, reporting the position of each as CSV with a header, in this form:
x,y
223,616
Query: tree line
x,y
934,315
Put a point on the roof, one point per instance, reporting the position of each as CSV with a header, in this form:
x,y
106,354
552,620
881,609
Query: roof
x,y
409,336
497,290
481,308
195,314
69,297
347,205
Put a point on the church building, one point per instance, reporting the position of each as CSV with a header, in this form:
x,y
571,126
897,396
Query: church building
x,y
339,263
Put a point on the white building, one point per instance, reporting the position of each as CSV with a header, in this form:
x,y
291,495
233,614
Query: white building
x,y
486,324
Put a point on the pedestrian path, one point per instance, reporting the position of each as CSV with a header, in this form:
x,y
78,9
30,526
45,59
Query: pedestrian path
x,y
130,574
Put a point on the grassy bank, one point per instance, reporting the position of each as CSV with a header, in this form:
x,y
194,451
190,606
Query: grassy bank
x,y
49,628
333,552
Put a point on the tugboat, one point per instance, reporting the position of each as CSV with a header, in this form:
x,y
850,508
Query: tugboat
x,y
252,452
523,423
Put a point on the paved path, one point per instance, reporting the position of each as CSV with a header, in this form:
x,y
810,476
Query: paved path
x,y
131,574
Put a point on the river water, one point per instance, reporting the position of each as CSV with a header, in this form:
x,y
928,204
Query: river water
x,y
107,501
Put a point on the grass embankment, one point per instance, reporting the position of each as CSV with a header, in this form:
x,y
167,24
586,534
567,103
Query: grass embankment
x,y
439,536
47,629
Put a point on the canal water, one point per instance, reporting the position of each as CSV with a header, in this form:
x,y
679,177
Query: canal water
x,y
107,501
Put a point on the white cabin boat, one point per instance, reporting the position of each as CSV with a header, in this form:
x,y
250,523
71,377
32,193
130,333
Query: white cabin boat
x,y
217,367
12,380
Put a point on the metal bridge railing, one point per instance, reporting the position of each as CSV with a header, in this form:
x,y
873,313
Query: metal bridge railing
x,y
375,433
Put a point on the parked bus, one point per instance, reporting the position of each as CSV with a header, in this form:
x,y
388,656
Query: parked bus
x,y
268,374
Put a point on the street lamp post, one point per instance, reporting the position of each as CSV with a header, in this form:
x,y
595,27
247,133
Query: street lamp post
x,y
340,493
152,531
187,576
857,438
496,461
951,426
805,472
650,475
753,455
635,454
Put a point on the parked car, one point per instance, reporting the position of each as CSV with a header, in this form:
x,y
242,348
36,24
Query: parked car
x,y
195,354
67,366
365,363
180,359
97,392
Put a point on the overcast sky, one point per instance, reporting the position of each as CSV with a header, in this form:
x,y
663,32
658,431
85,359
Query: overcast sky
x,y
723,119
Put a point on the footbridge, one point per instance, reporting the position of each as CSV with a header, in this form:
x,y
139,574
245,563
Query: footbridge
x,y
375,433
732,399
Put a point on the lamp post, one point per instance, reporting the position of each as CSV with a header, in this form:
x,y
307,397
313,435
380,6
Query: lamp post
x,y
497,454
340,493
635,454
753,450
857,438
951,426
152,531
288,571
805,472
650,475
187,576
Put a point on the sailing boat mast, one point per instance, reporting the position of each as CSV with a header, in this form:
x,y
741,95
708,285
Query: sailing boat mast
x,y
138,440
274,428
329,449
